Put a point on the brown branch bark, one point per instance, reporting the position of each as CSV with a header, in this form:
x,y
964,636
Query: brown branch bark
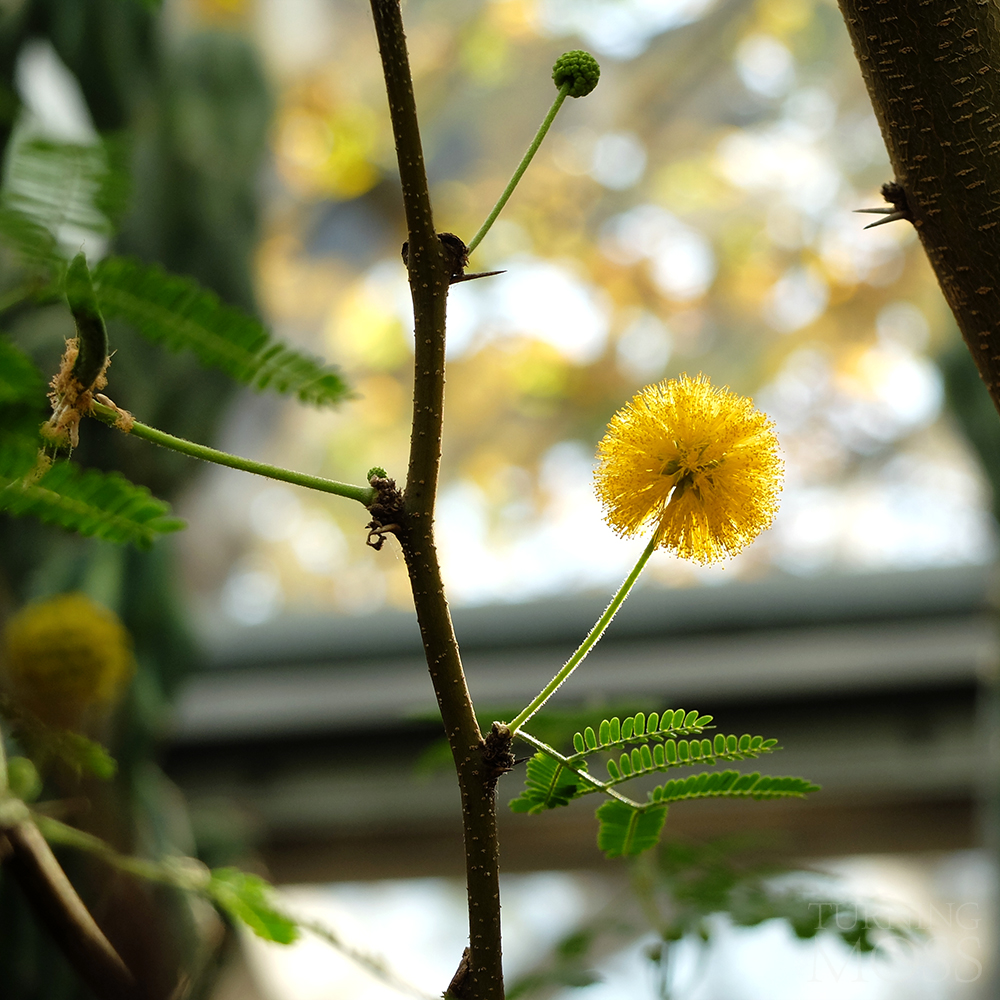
x,y
30,859
480,975
932,68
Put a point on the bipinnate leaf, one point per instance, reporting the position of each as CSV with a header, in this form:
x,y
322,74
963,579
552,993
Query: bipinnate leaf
x,y
246,899
547,784
625,831
180,314
99,504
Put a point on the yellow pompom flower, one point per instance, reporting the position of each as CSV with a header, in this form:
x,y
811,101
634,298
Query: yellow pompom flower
x,y
697,462
65,656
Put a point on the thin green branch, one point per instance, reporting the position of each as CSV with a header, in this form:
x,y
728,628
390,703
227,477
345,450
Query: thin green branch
x,y
585,647
596,784
108,415
523,165
52,896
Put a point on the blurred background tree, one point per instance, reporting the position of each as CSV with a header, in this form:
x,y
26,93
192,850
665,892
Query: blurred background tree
x,y
183,120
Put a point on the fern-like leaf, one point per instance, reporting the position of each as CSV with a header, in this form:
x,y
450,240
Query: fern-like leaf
x,y
625,832
69,189
179,314
732,785
670,753
547,784
658,742
98,504
613,733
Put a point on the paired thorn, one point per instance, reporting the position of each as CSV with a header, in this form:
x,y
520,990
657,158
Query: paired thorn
x,y
898,207
890,215
457,254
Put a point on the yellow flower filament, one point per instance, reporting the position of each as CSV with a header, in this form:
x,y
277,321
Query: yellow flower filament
x,y
696,461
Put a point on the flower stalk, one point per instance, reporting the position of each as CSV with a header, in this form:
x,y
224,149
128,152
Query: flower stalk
x,y
588,644
575,75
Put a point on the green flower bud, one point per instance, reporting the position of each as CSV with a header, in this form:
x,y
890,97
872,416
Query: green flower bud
x,y
377,470
579,69
23,779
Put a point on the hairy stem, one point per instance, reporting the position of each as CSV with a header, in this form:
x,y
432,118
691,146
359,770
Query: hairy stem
x,y
585,647
482,975
522,166
108,415
595,783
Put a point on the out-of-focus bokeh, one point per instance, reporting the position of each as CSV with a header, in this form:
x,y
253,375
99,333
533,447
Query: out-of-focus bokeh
x,y
693,214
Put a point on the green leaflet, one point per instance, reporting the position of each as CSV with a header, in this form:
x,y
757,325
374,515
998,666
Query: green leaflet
x,y
547,784
178,313
624,831
103,505
731,784
246,899
616,732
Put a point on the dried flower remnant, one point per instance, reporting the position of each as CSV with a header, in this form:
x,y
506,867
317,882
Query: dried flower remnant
x,y
697,461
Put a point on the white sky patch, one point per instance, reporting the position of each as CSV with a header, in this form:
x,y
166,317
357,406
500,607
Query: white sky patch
x,y
902,324
644,347
681,260
618,28
798,297
52,95
765,65
781,158
534,298
416,927
568,547
619,160
853,254
251,594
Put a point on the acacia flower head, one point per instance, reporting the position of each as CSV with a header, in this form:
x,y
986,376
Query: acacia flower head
x,y
64,657
697,462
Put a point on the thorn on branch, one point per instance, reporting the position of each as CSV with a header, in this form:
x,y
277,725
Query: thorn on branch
x,y
899,206
457,255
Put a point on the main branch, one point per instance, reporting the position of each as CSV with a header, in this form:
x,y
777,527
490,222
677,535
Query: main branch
x,y
932,68
481,974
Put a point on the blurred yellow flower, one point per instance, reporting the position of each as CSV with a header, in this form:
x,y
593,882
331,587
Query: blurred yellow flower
x,y
698,462
64,656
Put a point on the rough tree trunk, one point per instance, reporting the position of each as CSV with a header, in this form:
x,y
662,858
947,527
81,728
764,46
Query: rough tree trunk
x,y
932,68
